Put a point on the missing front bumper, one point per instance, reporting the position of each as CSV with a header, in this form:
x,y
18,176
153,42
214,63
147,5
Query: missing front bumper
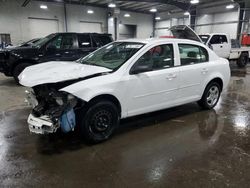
x,y
41,125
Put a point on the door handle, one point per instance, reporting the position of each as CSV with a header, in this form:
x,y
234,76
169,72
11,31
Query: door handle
x,y
171,76
204,71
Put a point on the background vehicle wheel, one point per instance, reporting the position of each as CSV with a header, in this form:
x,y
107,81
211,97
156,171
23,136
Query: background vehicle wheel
x,y
99,121
18,69
243,60
210,96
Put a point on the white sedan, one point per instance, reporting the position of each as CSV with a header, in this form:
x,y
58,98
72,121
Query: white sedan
x,y
122,79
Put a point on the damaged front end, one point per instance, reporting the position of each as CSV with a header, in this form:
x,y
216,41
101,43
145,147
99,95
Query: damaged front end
x,y
52,109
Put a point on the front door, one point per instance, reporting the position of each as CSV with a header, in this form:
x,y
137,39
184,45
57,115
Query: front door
x,y
220,45
61,48
156,88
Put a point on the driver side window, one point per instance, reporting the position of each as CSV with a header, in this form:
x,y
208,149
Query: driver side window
x,y
55,43
62,42
158,57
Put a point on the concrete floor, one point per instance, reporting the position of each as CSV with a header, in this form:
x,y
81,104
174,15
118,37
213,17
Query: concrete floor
x,y
178,147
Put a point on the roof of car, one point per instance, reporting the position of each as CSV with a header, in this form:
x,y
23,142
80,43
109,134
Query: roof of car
x,y
82,33
155,40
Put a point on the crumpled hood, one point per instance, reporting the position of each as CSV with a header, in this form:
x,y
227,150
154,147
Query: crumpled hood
x,y
57,71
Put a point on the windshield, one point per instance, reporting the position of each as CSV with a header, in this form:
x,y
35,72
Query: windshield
x,y
113,55
43,41
204,38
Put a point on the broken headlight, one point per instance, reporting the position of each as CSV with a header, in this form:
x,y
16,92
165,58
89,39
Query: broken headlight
x,y
67,99
59,100
72,100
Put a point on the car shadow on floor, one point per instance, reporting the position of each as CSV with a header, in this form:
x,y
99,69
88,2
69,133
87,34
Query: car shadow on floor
x,y
59,143
9,82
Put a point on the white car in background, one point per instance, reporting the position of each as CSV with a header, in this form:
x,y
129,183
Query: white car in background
x,y
220,43
122,79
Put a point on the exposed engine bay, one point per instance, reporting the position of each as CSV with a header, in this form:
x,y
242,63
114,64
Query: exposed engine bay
x,y
52,109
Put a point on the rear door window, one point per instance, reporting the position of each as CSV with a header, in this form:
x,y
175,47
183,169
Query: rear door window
x,y
84,41
192,54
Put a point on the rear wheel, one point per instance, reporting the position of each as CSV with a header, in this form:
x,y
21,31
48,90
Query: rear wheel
x,y
243,60
18,69
210,96
99,121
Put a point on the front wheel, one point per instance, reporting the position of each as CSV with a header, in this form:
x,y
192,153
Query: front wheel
x,y
99,121
210,96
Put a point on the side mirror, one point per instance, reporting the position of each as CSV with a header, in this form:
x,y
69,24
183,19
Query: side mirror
x,y
140,69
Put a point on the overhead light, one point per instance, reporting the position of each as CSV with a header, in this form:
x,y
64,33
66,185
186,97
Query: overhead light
x,y
127,15
112,5
43,6
153,10
90,11
158,18
194,1
186,13
230,6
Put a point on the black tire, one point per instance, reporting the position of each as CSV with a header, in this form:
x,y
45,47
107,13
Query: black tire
x,y
209,103
18,69
99,121
243,60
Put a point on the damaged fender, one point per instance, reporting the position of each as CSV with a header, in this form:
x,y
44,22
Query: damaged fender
x,y
94,87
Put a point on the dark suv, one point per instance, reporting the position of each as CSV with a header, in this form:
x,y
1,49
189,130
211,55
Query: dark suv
x,y
54,47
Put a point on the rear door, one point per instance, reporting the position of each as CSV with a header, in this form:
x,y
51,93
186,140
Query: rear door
x,y
60,48
220,45
193,71
85,45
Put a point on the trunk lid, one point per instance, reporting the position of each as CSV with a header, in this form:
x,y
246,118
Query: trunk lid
x,y
184,32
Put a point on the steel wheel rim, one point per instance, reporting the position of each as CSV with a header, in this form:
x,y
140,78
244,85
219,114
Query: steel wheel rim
x,y
101,122
213,95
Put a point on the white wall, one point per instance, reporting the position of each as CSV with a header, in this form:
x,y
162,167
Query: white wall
x,y
14,18
164,25
208,20
216,23
127,31
76,13
144,23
